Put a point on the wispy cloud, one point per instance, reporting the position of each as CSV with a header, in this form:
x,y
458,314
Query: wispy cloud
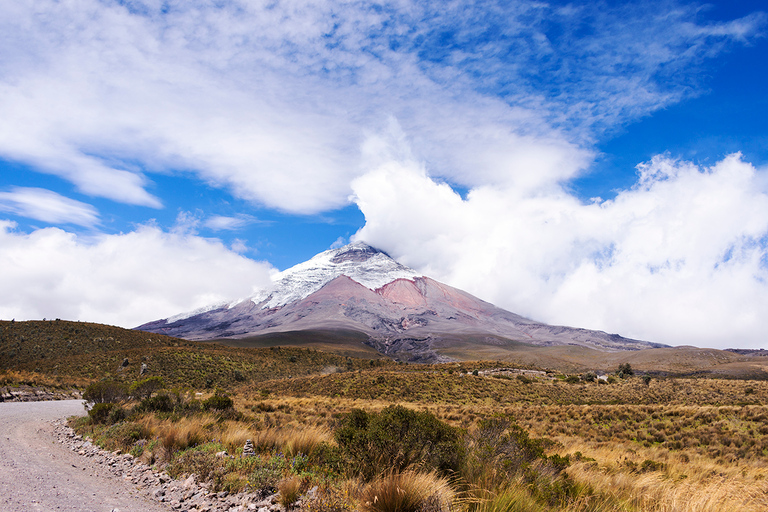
x,y
47,206
222,222
274,102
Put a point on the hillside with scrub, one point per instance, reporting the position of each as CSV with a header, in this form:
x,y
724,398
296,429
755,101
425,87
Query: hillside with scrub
x,y
332,433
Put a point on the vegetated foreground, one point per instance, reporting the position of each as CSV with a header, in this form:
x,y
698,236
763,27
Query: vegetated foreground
x,y
374,435
459,441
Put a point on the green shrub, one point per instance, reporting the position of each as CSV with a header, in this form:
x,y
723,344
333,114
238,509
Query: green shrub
x,y
105,392
397,438
498,450
123,436
649,465
144,388
200,460
572,379
159,403
265,477
116,415
625,370
218,403
100,412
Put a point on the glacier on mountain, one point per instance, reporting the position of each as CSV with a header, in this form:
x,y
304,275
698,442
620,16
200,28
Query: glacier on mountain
x,y
359,261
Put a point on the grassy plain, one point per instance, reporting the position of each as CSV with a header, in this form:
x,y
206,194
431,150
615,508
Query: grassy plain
x,y
673,443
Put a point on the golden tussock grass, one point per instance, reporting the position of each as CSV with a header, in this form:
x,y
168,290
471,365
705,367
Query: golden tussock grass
x,y
290,490
510,499
234,434
180,434
409,491
292,441
657,480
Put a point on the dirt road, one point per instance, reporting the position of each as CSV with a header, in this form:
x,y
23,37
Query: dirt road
x,y
39,474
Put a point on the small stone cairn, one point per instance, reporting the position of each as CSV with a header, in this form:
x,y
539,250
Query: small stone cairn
x,y
248,450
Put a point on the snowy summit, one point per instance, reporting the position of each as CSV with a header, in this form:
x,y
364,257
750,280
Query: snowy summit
x,y
359,261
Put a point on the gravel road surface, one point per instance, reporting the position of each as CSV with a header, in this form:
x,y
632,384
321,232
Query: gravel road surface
x,y
39,474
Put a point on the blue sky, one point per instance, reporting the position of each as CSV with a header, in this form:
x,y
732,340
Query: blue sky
x,y
598,164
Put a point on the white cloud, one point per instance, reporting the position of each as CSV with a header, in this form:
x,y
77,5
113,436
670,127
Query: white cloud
x,y
222,222
273,102
47,206
124,280
339,242
681,258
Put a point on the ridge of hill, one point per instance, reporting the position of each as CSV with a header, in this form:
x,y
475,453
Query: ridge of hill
x,y
93,351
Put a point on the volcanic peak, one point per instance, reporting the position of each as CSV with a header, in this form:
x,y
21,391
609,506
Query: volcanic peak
x,y
358,261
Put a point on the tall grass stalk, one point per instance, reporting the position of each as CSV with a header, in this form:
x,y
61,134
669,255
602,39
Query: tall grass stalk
x,y
409,491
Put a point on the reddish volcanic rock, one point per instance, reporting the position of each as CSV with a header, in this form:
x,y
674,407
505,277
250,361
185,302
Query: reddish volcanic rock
x,y
403,291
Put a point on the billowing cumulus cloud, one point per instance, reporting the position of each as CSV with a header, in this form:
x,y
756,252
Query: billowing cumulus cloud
x,y
124,280
680,258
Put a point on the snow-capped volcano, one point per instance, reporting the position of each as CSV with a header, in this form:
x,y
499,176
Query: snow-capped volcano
x,y
358,261
360,288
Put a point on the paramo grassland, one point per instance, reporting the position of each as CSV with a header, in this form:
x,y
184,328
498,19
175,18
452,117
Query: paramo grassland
x,y
375,435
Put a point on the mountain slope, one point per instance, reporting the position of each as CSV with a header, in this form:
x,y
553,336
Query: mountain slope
x,y
359,288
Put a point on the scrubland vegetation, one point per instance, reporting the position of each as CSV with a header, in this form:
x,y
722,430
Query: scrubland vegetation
x,y
373,435
458,441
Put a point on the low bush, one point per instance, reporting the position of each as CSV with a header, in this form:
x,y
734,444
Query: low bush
x,y
100,412
498,450
145,388
159,403
265,477
218,403
105,392
200,460
397,438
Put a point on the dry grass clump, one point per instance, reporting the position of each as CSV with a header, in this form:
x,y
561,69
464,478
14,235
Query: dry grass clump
x,y
291,441
234,434
290,491
307,441
409,491
177,435
655,479
511,499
